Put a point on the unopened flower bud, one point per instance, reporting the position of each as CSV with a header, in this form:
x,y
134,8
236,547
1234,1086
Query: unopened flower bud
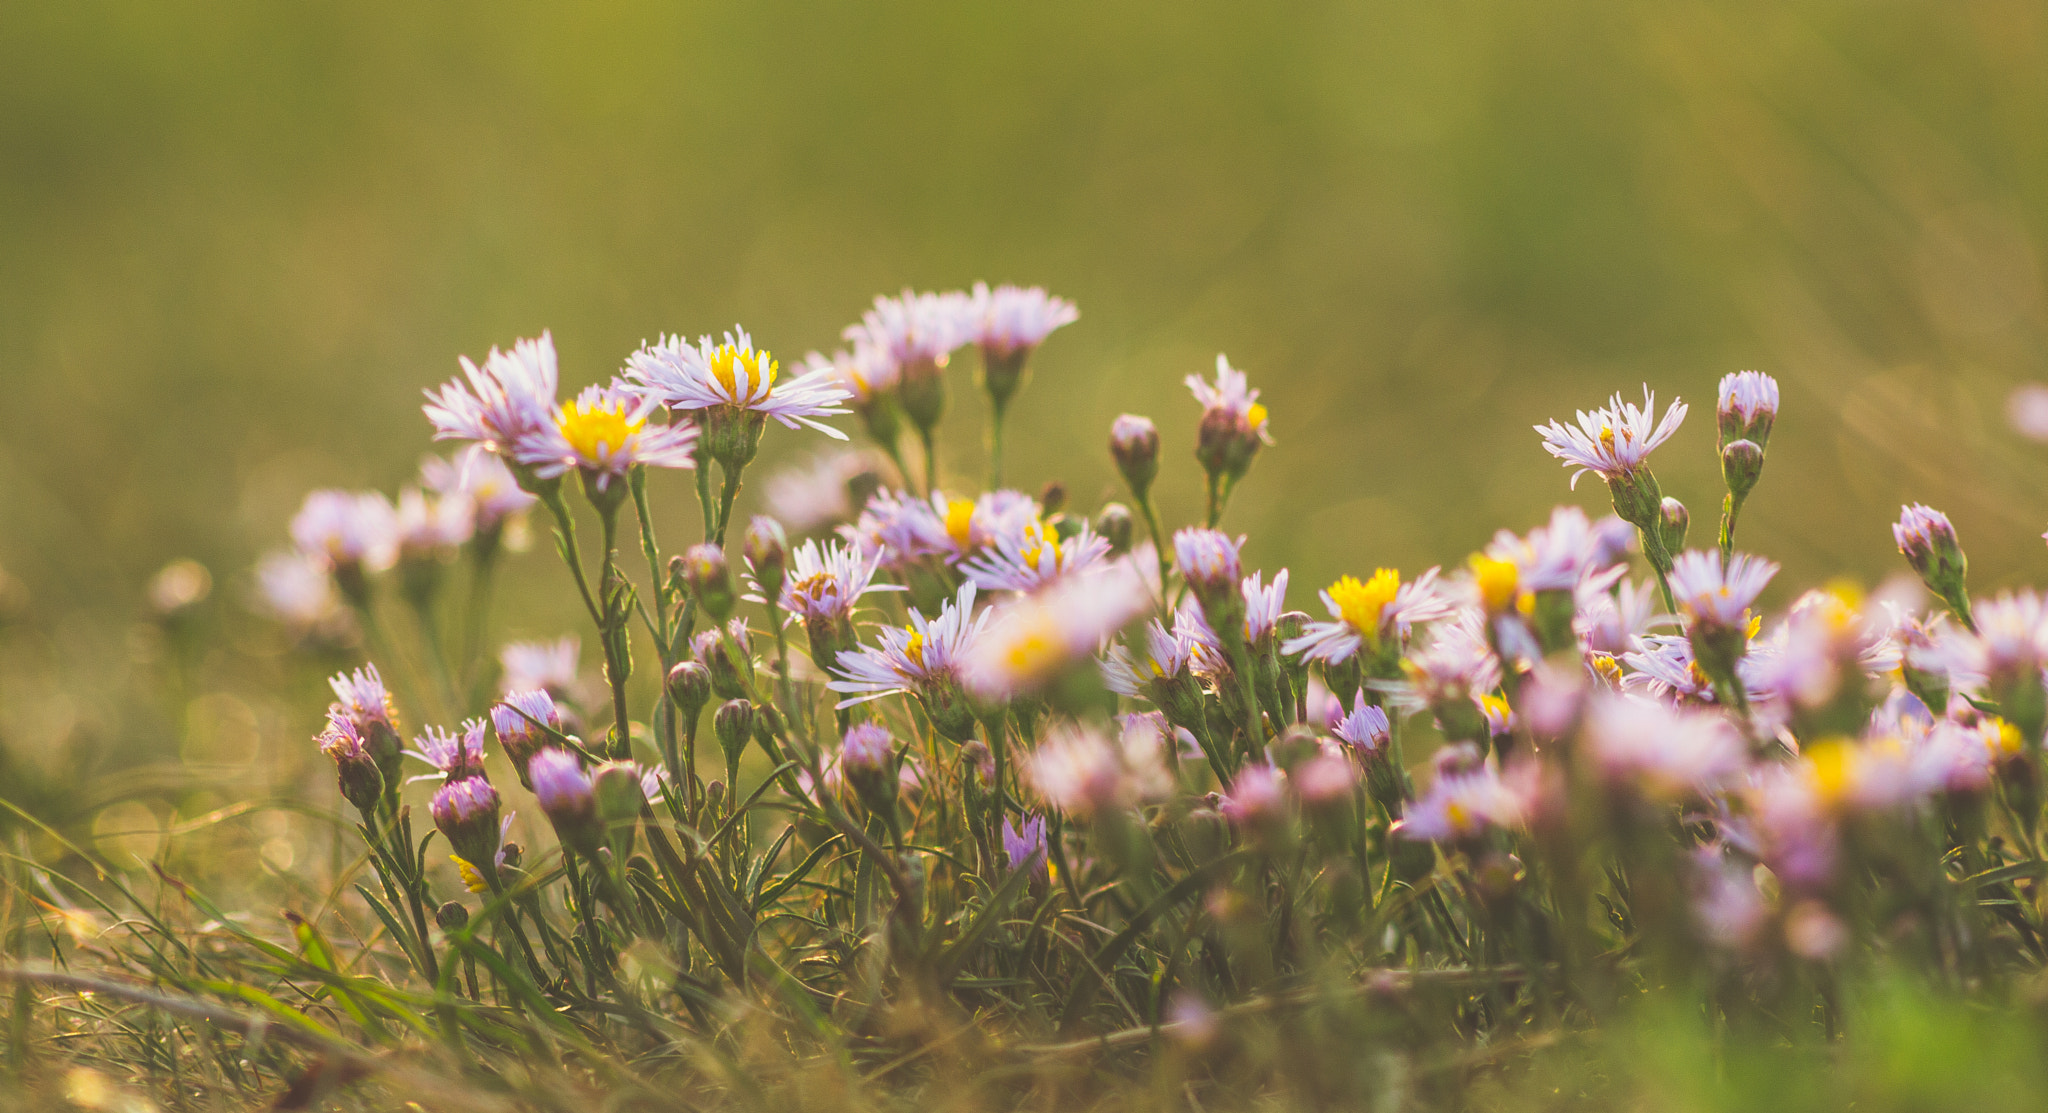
x,y
522,721
766,549
1052,498
616,786
1209,563
1673,520
466,812
1748,405
977,757
1115,524
1742,464
709,581
734,725
566,798
725,673
356,772
689,688
1929,544
1134,441
867,759
451,916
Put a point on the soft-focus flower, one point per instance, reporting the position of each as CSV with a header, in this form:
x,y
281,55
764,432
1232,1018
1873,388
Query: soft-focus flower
x,y
2012,636
1462,804
605,432
923,659
484,480
1660,751
432,527
351,531
545,665
466,812
1257,795
508,400
566,796
1134,444
1009,319
1609,620
866,374
453,756
732,374
809,497
1207,558
1364,614
915,329
1557,556
1716,594
1033,638
1726,904
1263,605
296,589
2027,409
1612,442
1082,771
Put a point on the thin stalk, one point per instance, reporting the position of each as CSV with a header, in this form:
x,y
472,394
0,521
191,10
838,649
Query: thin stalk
x,y
931,461
614,665
995,448
1731,508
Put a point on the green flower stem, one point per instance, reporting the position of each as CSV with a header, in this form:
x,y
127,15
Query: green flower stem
x,y
995,446
931,461
1731,508
612,632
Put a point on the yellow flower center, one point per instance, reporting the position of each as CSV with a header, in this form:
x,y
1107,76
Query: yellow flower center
x,y
913,650
598,430
471,879
1256,415
1497,580
729,363
1460,817
2008,738
1831,764
1607,438
1036,651
1361,604
960,521
1495,706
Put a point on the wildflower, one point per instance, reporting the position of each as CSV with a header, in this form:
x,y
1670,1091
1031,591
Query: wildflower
x,y
466,812
1450,674
1325,779
454,756
1034,639
900,529
1208,561
923,659
1716,595
1462,804
1233,422
566,798
1368,614
1257,796
2027,409
1081,771
523,720
2009,650
1746,406
605,432
616,786
689,688
1726,905
296,589
916,334
1024,847
361,697
1263,605
867,759
1929,544
730,390
823,585
1366,729
1613,443
353,533
507,402
870,379
1165,675
431,528
708,580
1034,558
484,482
1008,323
357,773
730,668
1608,621
1665,753
1134,443
545,665
766,550
821,493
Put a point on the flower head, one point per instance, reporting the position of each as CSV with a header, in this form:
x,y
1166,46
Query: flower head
x,y
1553,557
924,657
1368,613
1263,605
347,530
1365,729
1661,751
566,796
1082,771
1746,405
432,527
453,756
1011,319
1715,594
1034,557
361,697
732,374
296,589
825,581
466,812
1233,424
1613,442
823,492
915,329
1036,637
508,400
1462,803
545,665
522,721
605,432
483,481
1022,848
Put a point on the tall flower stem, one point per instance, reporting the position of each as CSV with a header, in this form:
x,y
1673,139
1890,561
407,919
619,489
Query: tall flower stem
x,y
618,664
931,460
1731,508
995,443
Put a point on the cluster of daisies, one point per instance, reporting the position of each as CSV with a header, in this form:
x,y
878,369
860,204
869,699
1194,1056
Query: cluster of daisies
x,y
908,653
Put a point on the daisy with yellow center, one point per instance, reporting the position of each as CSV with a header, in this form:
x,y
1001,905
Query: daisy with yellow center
x,y
734,375
604,432
1365,613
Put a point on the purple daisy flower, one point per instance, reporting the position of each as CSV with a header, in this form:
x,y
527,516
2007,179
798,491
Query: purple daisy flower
x,y
508,399
1010,319
920,658
605,432
733,374
1611,442
347,530
1719,595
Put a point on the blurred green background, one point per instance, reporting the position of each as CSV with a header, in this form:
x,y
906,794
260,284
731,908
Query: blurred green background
x,y
236,240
